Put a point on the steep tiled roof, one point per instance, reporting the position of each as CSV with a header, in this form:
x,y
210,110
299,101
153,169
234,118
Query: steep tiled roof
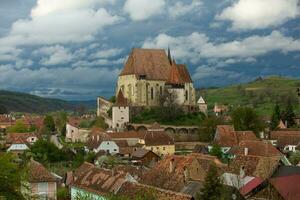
x,y
130,189
38,173
256,148
286,137
82,169
160,174
96,138
154,64
256,166
74,121
100,181
139,153
121,101
228,137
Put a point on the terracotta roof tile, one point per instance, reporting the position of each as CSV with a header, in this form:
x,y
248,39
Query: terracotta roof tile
x,y
287,186
121,100
38,173
286,137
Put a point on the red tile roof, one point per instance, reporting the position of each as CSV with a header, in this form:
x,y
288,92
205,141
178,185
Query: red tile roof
x,y
256,148
38,173
155,65
255,182
19,138
287,186
286,137
226,136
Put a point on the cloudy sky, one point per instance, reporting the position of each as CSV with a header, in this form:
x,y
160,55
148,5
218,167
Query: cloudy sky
x,y
75,49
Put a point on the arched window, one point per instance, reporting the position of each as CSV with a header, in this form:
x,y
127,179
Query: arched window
x,y
160,90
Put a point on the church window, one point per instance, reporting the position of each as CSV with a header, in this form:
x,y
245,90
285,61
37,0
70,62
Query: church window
x,y
160,90
152,93
186,95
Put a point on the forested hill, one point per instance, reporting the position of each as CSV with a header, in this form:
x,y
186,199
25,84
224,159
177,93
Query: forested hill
x,y
261,94
22,102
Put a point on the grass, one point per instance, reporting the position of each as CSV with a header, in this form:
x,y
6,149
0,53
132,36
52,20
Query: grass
x,y
261,94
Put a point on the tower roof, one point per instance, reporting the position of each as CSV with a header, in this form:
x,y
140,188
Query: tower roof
x,y
121,101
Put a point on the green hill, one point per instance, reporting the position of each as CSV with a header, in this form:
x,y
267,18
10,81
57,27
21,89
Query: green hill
x,y
22,102
261,94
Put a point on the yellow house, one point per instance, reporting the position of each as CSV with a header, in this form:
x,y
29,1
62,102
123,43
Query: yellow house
x,y
149,73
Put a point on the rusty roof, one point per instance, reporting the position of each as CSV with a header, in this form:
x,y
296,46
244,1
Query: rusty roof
x,y
257,166
286,137
256,148
100,181
154,64
38,173
19,138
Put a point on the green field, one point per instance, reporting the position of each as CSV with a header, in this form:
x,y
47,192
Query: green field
x,y
261,94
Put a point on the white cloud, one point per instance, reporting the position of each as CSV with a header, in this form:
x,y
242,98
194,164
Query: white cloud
x,y
21,63
9,53
108,53
98,62
53,22
143,9
180,9
54,55
258,14
196,45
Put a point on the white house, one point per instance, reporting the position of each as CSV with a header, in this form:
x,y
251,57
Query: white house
x,y
202,105
74,133
108,146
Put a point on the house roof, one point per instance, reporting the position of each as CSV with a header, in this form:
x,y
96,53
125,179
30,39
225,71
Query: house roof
x,y
287,186
140,153
286,137
151,138
38,173
155,65
18,138
255,148
100,181
131,189
226,136
160,175
121,101
74,121
249,186
257,166
96,138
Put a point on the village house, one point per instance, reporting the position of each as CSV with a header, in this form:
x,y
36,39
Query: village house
x,y
226,137
41,184
149,73
17,143
285,140
74,133
144,157
155,140
6,121
220,109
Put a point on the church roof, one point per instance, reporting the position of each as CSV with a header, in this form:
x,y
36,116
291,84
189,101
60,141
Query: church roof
x,y
154,64
121,101
201,100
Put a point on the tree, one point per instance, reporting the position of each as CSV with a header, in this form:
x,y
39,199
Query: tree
x,y
60,121
216,151
212,188
295,158
49,123
99,122
276,116
3,110
10,178
19,127
288,114
208,128
112,99
245,118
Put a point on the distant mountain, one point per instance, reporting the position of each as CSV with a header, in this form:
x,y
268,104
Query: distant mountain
x,y
262,94
23,102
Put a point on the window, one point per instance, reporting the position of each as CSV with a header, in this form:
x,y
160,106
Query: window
x,y
152,93
164,148
115,149
122,117
157,148
160,90
186,95
43,188
107,143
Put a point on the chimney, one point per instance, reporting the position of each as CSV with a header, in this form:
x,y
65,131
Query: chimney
x,y
246,151
172,165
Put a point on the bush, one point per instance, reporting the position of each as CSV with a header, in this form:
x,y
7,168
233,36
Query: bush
x,y
62,193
